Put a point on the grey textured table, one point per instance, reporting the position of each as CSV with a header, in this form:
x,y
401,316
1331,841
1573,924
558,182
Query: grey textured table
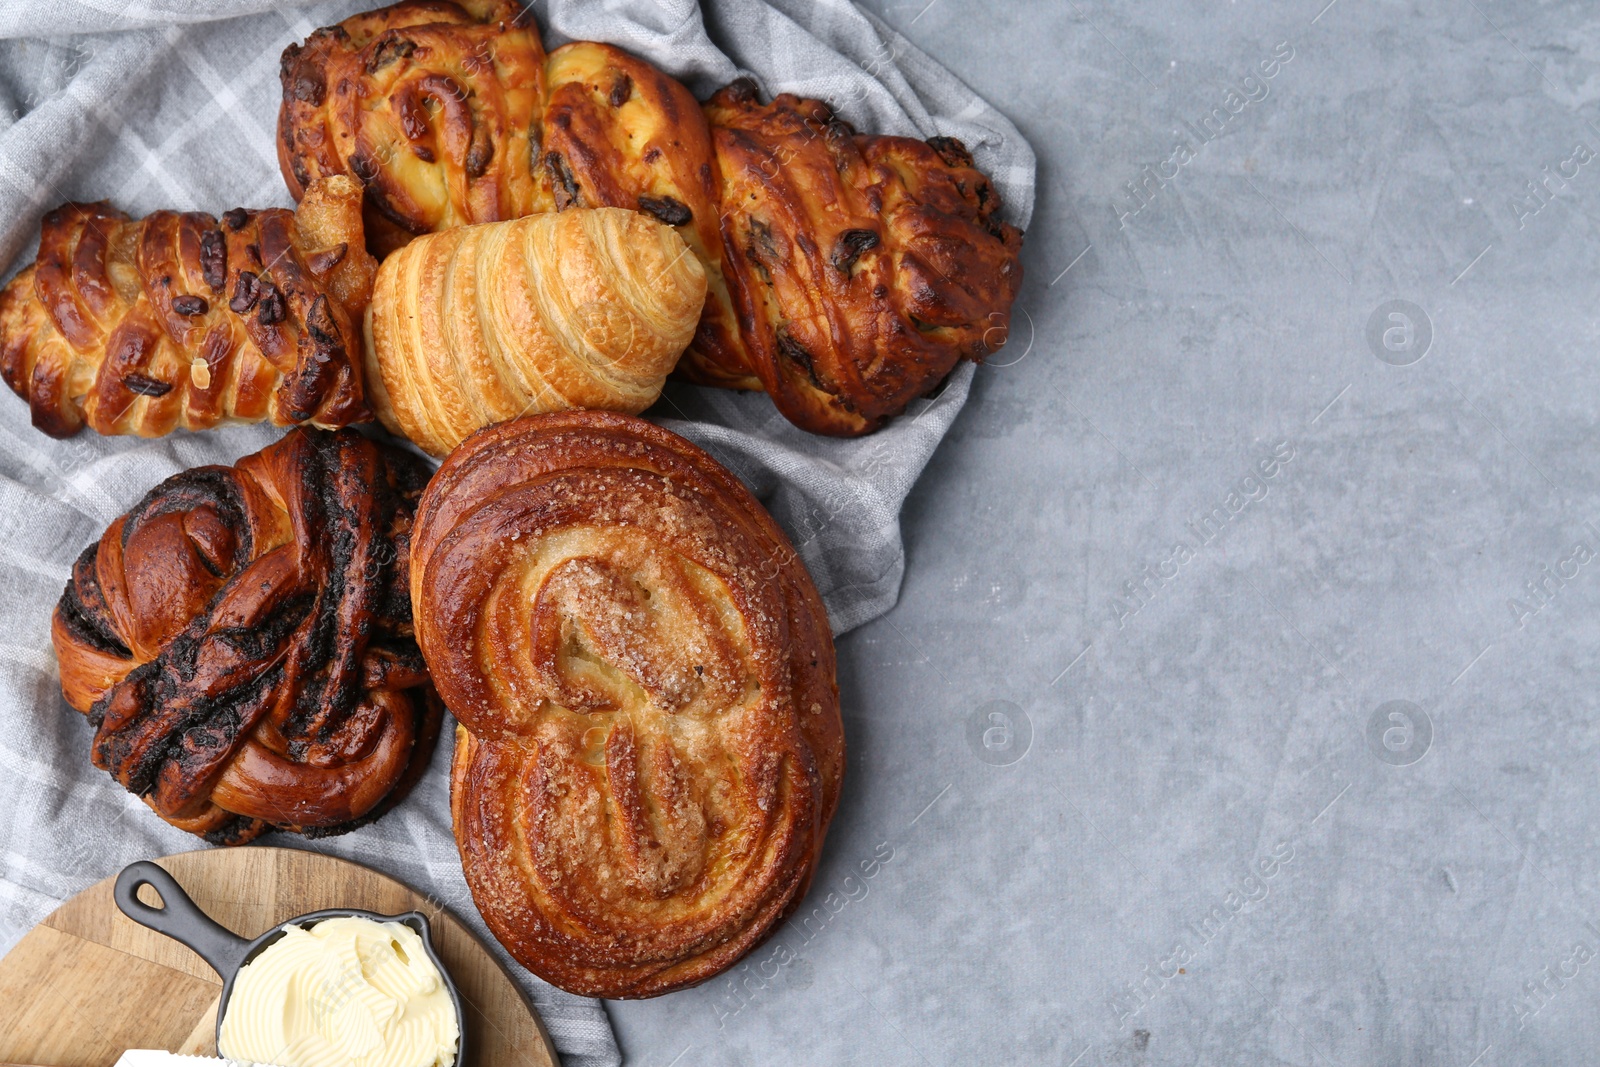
x,y
1164,760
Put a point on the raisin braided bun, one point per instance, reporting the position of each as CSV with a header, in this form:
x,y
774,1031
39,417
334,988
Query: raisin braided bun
x,y
650,747
175,321
241,641
847,274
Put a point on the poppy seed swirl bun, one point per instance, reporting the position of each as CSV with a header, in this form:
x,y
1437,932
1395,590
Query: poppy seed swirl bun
x,y
241,641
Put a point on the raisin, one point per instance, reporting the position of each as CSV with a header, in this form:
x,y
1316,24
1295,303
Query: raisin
x,y
479,153
742,90
851,244
328,258
668,210
761,246
621,90
214,259
796,353
566,186
145,385
272,309
390,47
951,150
324,331
308,90
245,292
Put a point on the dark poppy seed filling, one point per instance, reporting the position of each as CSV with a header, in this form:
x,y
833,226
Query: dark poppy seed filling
x,y
274,593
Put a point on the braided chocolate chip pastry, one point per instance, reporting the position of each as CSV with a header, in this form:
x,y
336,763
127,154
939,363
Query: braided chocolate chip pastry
x,y
241,641
847,274
650,747
177,321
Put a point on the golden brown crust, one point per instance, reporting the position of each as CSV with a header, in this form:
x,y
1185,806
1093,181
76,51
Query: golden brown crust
x,y
866,267
847,274
431,104
587,308
179,321
241,641
650,747
620,133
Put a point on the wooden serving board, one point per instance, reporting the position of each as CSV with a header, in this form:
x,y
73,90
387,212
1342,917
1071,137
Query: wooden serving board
x,y
88,982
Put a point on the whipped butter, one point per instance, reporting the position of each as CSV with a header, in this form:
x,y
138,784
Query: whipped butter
x,y
343,992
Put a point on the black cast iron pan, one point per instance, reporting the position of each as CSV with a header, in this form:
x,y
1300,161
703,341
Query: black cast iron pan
x,y
226,952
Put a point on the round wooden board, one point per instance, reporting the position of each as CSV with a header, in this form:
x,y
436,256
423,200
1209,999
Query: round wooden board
x,y
88,982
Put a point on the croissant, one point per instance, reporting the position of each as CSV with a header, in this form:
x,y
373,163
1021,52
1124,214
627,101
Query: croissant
x,y
847,274
241,641
176,321
478,324
650,747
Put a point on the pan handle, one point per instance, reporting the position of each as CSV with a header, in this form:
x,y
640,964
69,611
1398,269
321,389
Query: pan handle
x,y
179,917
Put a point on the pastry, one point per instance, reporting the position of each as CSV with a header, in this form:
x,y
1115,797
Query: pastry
x,y
588,308
617,131
241,641
650,747
865,268
847,274
438,140
179,321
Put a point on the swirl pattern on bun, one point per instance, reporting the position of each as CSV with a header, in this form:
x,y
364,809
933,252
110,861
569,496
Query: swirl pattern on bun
x,y
241,641
650,746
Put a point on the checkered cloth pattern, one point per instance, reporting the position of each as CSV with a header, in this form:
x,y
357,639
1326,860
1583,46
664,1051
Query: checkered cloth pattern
x,y
172,104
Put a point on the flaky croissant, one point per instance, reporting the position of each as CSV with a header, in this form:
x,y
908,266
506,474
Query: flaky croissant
x,y
847,274
177,321
650,746
478,324
241,641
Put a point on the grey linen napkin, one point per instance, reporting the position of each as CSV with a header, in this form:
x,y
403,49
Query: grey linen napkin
x,y
172,103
